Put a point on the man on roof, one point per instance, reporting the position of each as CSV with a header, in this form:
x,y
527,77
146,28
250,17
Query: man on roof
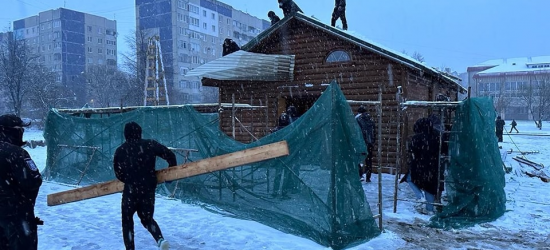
x,y
339,12
289,7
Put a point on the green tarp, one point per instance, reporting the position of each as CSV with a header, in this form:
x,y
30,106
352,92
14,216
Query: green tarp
x,y
475,177
314,192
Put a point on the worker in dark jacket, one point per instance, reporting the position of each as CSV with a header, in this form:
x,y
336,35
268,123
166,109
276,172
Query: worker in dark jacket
x,y
134,164
20,181
273,17
367,130
499,124
289,7
229,46
339,12
423,161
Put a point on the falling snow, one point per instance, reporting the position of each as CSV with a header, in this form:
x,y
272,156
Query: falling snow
x,y
95,223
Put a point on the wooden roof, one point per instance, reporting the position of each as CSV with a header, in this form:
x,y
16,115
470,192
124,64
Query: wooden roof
x,y
368,45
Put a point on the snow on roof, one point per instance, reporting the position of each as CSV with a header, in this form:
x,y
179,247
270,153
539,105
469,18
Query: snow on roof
x,y
511,65
361,41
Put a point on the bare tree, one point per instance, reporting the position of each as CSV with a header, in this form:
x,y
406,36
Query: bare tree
x,y
535,95
542,100
16,63
527,94
134,63
45,93
105,85
419,57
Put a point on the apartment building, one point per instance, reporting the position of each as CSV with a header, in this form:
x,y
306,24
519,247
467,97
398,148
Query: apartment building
x,y
68,41
516,85
192,33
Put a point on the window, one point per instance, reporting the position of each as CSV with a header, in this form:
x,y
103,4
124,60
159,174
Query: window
x,y
100,51
56,23
90,39
204,25
194,21
204,13
193,9
90,61
90,50
99,31
213,28
181,4
195,47
99,40
89,28
338,56
213,16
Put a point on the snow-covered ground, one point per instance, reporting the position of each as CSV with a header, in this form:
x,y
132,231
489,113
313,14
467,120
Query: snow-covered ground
x,y
95,223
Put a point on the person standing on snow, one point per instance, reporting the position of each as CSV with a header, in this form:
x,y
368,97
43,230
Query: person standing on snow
x,y
339,12
423,163
367,129
514,124
134,165
499,124
20,181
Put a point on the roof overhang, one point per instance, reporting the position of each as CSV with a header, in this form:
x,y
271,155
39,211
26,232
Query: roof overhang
x,y
243,65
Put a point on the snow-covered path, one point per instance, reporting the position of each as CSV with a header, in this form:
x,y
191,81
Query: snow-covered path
x,y
95,223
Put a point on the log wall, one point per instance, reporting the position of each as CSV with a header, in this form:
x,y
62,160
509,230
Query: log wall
x,y
360,79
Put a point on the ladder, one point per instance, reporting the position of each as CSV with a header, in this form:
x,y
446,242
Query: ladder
x,y
445,110
155,91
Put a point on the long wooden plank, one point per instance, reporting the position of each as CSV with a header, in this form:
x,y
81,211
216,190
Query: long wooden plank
x,y
208,165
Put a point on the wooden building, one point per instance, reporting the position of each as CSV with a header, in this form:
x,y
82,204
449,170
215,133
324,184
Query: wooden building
x,y
320,54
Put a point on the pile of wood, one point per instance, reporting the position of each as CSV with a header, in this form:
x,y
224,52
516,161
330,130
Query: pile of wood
x,y
537,172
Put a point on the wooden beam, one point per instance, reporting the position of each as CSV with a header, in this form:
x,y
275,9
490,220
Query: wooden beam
x,y
204,166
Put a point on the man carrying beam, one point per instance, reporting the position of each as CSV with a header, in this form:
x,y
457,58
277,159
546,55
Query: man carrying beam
x,y
134,165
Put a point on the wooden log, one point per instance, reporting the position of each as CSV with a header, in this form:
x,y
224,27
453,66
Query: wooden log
x,y
208,165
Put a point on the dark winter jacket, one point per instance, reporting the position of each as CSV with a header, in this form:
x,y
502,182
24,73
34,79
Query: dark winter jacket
x,y
20,179
367,127
229,46
292,114
499,123
423,156
514,123
340,3
273,17
289,7
134,161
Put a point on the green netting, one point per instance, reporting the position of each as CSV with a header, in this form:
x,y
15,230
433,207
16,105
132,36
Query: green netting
x,y
475,178
314,192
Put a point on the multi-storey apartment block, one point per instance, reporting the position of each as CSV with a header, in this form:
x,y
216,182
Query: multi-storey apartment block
x,y
192,33
68,41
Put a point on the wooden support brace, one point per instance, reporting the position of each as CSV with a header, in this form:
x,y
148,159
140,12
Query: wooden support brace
x,y
204,166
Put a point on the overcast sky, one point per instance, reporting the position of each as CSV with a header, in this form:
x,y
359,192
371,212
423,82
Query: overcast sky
x,y
448,33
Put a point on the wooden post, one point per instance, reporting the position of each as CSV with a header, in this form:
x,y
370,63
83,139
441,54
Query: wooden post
x,y
398,148
379,156
233,115
208,165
